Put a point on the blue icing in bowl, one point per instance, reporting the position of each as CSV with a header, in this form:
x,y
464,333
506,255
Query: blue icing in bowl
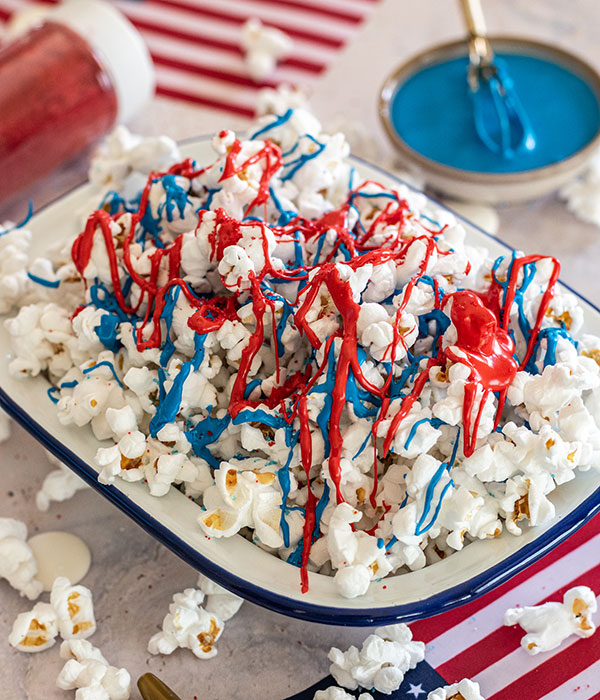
x,y
432,112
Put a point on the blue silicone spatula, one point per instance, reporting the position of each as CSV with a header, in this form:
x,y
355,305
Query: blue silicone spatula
x,y
500,120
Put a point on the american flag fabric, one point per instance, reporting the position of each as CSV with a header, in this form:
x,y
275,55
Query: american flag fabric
x,y
472,642
195,44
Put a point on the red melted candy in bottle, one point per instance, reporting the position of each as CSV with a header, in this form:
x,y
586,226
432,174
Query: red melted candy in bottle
x,y
56,99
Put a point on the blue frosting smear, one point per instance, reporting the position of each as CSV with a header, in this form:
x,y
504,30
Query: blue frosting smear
x,y
433,113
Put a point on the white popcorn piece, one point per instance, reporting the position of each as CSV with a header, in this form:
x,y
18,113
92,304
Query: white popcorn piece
x,y
219,600
279,100
125,160
465,689
242,498
357,555
89,673
17,563
74,609
263,47
35,630
188,626
15,285
382,661
582,195
548,625
59,485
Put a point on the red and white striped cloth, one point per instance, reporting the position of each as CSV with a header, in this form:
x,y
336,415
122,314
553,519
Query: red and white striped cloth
x,y
472,642
195,44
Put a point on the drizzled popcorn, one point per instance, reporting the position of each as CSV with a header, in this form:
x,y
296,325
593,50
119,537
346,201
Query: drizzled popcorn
x,y
382,661
188,626
89,673
17,563
463,690
548,625
322,363
35,630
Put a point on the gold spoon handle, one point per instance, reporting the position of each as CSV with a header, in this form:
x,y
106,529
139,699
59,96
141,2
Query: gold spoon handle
x,y
152,688
474,19
481,54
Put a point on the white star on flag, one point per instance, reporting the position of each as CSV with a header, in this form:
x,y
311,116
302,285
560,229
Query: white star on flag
x,y
416,690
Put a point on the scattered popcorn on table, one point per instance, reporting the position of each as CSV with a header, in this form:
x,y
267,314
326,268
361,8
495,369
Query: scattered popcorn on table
x,y
90,674
35,630
548,625
219,600
59,485
382,661
263,47
582,195
464,690
188,626
322,363
17,563
74,609
69,613
335,693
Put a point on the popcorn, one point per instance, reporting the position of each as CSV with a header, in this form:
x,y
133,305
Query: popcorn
x,y
243,498
263,47
17,563
125,160
465,689
279,100
382,661
74,609
87,671
323,364
219,600
188,626
35,630
59,485
548,625
582,195
357,555
14,250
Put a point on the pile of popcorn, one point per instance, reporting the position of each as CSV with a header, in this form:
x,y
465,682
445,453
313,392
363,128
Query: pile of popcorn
x,y
324,364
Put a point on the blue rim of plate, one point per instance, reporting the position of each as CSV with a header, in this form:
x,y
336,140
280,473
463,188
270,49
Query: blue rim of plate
x,y
453,597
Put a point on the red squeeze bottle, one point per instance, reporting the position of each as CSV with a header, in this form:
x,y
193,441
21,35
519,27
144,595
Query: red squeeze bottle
x,y
64,84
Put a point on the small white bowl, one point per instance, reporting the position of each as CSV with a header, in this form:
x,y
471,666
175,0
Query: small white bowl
x,y
494,188
243,567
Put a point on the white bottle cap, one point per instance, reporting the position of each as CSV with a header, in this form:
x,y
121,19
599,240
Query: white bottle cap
x,y
119,47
